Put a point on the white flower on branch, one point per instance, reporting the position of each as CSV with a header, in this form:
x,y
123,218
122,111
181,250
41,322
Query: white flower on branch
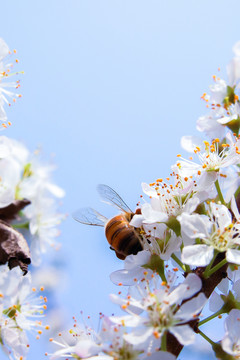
x,y
162,310
212,160
133,270
21,310
231,340
216,232
23,176
5,85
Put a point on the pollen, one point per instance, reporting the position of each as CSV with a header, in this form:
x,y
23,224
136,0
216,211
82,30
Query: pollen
x,y
204,166
199,172
47,327
156,334
33,289
175,269
179,155
42,288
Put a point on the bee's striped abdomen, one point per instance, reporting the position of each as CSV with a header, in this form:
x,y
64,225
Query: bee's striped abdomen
x,y
122,237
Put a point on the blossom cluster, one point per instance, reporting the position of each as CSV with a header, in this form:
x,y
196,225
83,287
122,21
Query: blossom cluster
x,y
26,181
29,221
181,246
21,308
188,230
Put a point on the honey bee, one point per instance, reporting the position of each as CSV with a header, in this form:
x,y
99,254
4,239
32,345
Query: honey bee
x,y
123,238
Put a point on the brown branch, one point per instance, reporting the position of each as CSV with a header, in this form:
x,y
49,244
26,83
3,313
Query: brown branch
x,y
208,285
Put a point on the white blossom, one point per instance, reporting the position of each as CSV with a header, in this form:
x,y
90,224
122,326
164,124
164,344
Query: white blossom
x,y
231,340
133,270
6,96
162,311
215,231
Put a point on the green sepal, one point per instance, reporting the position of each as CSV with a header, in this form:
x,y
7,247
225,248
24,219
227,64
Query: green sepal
x,y
201,209
174,225
234,125
11,312
156,264
229,303
230,97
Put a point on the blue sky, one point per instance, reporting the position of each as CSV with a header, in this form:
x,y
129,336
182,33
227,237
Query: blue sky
x,y
109,89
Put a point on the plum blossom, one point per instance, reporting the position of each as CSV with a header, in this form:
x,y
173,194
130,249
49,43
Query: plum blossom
x,y
167,202
108,344
20,311
133,269
76,343
24,176
223,102
43,220
217,232
5,74
163,311
231,341
212,161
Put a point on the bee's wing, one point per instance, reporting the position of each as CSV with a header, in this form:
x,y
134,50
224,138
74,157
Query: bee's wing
x,y
110,196
89,216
